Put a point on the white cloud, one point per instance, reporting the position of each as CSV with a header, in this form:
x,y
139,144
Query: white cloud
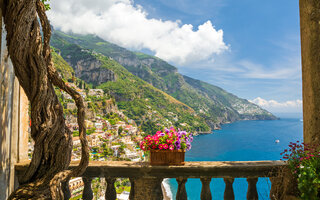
x,y
120,22
275,106
287,69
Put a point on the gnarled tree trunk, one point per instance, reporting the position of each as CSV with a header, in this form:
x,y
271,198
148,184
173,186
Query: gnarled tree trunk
x,y
31,58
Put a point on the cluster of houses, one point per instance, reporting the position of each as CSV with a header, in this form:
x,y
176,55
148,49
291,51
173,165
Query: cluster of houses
x,y
101,133
91,92
105,133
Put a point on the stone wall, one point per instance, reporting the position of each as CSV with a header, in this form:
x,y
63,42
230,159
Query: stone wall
x,y
13,120
310,55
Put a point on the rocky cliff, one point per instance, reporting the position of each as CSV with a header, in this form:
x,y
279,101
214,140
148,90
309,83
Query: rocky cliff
x,y
209,102
90,70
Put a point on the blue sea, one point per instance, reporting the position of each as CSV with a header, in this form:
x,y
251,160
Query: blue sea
x,y
242,141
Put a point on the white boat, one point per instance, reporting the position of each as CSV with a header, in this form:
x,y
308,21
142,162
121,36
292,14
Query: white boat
x,y
277,141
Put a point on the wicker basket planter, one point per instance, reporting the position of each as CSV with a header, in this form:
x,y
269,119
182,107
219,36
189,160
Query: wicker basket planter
x,y
167,157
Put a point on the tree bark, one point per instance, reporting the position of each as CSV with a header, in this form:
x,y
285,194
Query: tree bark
x,y
31,58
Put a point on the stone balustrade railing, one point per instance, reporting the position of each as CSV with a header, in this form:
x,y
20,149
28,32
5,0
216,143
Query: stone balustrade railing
x,y
146,180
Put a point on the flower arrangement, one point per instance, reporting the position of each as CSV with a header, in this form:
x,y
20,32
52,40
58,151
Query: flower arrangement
x,y
167,139
304,163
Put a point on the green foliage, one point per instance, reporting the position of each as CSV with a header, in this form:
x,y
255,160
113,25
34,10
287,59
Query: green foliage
x,y
75,133
62,66
112,117
120,130
90,131
138,99
304,163
76,197
46,5
308,182
121,148
122,185
106,152
211,104
150,127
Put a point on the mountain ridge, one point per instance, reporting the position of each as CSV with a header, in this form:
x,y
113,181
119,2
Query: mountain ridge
x,y
210,102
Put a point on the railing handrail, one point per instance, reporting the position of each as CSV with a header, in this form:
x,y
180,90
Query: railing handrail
x,y
215,169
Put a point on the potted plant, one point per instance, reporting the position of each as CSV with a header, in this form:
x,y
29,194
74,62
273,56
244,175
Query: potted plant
x,y
304,163
167,147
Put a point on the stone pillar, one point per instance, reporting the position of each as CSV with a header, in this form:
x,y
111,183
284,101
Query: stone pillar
x,y
228,191
23,126
205,190
310,53
252,192
111,193
87,193
9,102
14,134
148,188
181,192
13,120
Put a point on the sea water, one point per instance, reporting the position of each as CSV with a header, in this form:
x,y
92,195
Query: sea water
x,y
241,141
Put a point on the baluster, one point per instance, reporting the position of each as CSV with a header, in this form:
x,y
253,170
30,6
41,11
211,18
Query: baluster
x,y
111,193
205,191
148,188
252,193
158,189
276,192
87,193
66,189
181,193
131,196
228,192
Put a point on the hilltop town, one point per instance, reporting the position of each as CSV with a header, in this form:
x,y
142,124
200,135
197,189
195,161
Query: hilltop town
x,y
110,134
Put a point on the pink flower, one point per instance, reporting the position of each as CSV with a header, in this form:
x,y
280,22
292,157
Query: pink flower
x,y
160,146
165,146
171,147
169,141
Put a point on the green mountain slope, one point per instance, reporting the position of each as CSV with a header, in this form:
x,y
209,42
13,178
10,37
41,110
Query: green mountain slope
x,y
139,100
213,104
245,109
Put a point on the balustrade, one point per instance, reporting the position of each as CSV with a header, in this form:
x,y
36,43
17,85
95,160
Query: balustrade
x,y
146,180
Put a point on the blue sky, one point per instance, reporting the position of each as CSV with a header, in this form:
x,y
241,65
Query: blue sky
x,y
250,48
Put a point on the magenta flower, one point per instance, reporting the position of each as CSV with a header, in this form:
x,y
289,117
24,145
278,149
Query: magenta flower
x,y
167,139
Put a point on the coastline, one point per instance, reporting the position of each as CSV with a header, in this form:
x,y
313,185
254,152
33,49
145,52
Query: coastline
x,y
243,140
166,191
203,133
218,126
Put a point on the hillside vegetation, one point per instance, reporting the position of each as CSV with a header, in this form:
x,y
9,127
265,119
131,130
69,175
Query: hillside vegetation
x,y
141,81
139,100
